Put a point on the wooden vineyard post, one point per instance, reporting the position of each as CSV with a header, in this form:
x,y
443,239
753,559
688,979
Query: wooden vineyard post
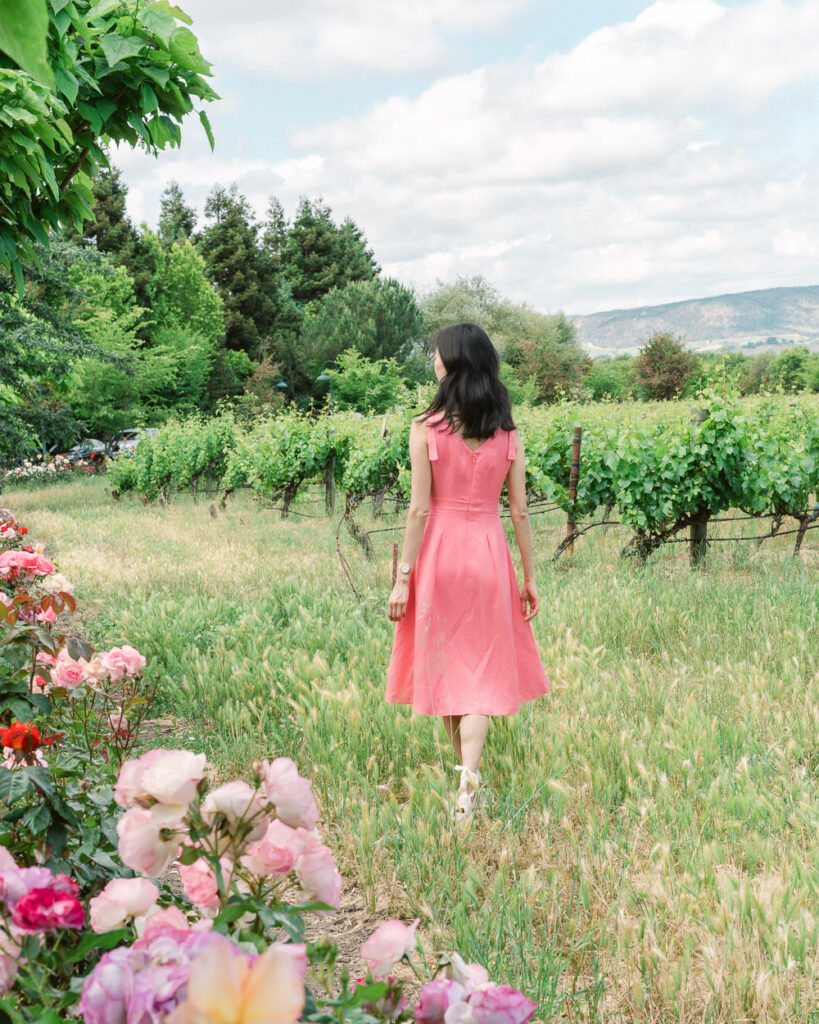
x,y
330,486
698,530
394,561
574,476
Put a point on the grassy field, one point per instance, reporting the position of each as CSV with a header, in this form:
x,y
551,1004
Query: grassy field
x,y
651,852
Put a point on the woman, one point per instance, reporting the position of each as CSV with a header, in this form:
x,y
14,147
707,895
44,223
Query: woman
x,y
463,646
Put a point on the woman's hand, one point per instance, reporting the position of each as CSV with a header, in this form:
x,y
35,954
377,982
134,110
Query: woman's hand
x,y
528,596
397,607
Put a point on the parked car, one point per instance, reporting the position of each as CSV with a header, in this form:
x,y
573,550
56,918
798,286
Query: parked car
x,y
85,450
127,440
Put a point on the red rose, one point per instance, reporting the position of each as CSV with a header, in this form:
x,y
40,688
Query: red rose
x,y
23,736
42,910
22,529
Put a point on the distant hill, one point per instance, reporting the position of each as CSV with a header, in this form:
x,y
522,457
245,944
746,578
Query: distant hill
x,y
748,320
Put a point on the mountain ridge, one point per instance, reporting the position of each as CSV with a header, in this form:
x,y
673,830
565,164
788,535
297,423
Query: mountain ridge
x,y
757,319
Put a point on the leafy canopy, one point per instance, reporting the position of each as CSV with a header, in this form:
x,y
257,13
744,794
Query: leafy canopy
x,y
80,75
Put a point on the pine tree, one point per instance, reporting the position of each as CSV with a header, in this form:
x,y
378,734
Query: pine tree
x,y
236,265
320,256
177,220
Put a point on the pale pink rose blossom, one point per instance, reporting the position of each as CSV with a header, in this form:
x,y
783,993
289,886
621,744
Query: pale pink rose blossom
x,y
147,844
66,672
14,758
58,584
317,873
276,852
8,972
45,658
290,793
121,900
94,669
459,1013
122,661
49,615
5,599
389,943
169,777
7,862
159,918
297,951
435,998
501,1004
199,883
234,802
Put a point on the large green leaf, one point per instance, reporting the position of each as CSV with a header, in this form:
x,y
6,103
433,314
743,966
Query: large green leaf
x,y
23,34
13,785
117,47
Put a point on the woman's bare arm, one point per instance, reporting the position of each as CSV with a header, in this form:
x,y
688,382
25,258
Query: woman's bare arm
x,y
416,516
519,511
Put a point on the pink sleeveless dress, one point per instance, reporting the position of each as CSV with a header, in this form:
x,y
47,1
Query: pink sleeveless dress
x,y
463,646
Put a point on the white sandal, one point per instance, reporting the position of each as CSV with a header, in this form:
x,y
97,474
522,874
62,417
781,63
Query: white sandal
x,y
465,802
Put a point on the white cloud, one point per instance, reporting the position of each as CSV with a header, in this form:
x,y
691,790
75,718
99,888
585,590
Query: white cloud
x,y
315,39
641,166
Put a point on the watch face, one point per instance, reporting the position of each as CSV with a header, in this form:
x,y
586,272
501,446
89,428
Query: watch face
x,y
405,569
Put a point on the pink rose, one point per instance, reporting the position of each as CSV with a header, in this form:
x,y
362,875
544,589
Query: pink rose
x,y
5,599
45,658
297,951
122,661
500,1004
291,794
58,584
121,900
94,669
43,910
317,873
435,998
67,672
199,883
169,777
8,972
233,803
147,843
49,615
276,852
389,943
171,917
16,882
32,563
7,862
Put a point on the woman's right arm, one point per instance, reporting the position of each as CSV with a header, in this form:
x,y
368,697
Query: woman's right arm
x,y
519,511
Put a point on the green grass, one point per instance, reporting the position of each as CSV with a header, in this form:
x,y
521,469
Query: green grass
x,y
652,849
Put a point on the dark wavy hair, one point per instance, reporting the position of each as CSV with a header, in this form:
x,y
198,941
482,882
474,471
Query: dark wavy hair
x,y
472,393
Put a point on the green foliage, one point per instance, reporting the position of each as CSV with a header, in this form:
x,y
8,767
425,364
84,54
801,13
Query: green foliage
x,y
235,265
320,255
177,220
377,318
122,72
184,296
545,351
611,379
366,385
473,300
664,367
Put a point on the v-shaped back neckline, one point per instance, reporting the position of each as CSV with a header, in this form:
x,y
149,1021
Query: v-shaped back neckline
x,y
474,451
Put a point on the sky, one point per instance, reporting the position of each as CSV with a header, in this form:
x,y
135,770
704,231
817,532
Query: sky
x,y
580,155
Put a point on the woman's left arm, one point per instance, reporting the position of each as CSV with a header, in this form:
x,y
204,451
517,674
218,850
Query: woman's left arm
x,y
416,517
